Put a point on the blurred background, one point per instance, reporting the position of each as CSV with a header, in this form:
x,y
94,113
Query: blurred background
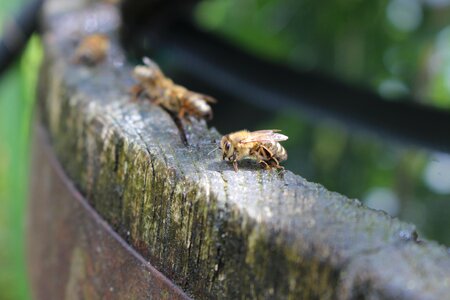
x,y
396,48
17,91
399,49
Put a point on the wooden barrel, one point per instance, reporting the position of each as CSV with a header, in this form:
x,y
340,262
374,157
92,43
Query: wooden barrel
x,y
121,208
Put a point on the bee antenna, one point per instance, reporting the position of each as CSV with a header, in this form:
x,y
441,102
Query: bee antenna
x,y
147,61
215,149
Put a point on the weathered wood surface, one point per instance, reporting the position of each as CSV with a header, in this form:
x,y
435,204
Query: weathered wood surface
x,y
214,232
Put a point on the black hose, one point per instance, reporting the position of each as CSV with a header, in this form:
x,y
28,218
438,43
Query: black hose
x,y
17,32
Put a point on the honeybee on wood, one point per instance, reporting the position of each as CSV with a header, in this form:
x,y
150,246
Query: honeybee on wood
x,y
92,50
263,145
161,90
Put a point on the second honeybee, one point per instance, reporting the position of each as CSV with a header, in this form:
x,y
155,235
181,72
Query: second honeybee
x,y
263,145
92,50
161,90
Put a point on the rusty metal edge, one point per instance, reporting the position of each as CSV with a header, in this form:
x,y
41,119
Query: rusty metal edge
x,y
43,135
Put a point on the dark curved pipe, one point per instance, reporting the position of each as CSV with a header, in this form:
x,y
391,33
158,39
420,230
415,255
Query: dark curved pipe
x,y
17,32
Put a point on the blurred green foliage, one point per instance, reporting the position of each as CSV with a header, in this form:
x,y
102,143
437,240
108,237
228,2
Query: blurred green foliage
x,y
395,47
17,94
17,90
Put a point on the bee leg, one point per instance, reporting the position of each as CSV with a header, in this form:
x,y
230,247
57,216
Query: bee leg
x,y
280,168
155,100
181,113
235,166
179,125
265,153
264,164
136,91
276,164
209,116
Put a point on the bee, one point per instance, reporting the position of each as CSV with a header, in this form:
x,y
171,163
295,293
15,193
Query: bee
x,y
92,50
263,145
153,84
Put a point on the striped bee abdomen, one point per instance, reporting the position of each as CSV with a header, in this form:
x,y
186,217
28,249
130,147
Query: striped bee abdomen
x,y
277,150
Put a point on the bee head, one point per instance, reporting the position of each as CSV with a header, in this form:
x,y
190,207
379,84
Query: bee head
x,y
227,148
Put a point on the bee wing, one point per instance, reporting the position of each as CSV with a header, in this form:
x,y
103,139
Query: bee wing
x,y
265,136
204,97
199,96
209,99
150,63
